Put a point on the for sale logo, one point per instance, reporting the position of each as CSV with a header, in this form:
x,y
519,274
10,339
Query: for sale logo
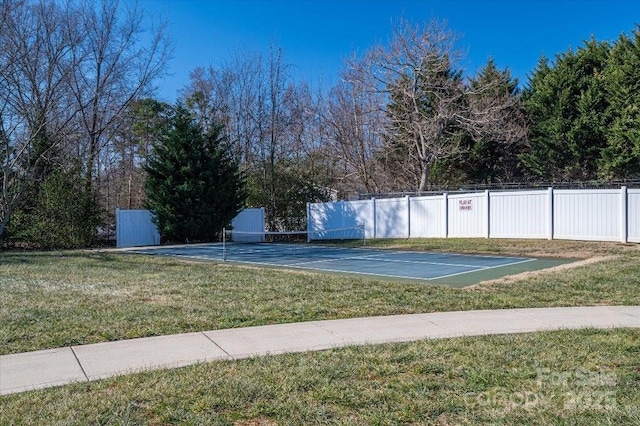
x,y
578,390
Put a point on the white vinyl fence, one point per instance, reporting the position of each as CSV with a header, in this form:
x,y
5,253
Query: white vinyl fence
x,y
633,215
136,228
598,215
249,220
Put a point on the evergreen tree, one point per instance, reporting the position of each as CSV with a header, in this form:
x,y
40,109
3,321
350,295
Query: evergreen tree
x,y
568,106
64,213
296,186
194,184
493,154
621,158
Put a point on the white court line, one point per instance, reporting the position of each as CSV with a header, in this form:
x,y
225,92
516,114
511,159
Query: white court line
x,y
300,265
484,269
339,271
474,268
278,265
462,265
343,271
335,260
286,249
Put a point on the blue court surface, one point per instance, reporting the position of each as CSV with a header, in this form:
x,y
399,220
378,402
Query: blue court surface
x,y
455,270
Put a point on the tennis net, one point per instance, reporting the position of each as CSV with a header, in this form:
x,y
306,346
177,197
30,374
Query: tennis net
x,y
308,239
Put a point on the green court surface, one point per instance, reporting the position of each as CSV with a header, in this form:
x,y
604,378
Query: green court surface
x,y
476,277
450,269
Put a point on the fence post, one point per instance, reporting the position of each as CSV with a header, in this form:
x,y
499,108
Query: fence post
x,y
487,223
550,213
118,230
408,216
445,213
374,215
624,217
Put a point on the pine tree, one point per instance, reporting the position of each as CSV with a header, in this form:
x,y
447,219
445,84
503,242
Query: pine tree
x,y
568,108
621,158
493,155
194,184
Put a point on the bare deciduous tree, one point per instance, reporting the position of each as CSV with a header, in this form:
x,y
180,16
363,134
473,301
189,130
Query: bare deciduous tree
x,y
268,118
114,70
35,109
428,103
123,159
355,120
232,95
69,70
425,93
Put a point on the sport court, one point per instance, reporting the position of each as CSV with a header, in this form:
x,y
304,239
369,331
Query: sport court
x,y
455,270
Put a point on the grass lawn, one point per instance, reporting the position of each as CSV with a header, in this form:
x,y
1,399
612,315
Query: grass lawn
x,y
56,299
566,377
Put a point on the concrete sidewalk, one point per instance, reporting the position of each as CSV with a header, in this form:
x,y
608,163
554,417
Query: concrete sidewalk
x,y
54,367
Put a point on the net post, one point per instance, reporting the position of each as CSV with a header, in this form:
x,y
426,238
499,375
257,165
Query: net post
x,y
224,244
364,237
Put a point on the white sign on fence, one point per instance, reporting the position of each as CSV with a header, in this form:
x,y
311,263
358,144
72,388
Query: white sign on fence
x,y
465,204
467,222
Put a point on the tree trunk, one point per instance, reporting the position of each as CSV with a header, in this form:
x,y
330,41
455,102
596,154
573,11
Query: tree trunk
x,y
4,224
424,175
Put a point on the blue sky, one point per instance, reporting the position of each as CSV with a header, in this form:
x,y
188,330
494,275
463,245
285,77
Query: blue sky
x,y
316,36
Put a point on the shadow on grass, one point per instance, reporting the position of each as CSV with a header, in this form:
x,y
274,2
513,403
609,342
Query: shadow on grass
x,y
42,257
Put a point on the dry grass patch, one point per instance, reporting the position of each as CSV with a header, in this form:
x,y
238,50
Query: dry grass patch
x,y
561,249
511,279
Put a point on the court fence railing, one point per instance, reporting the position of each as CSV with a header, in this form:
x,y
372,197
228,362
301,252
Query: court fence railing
x,y
499,186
